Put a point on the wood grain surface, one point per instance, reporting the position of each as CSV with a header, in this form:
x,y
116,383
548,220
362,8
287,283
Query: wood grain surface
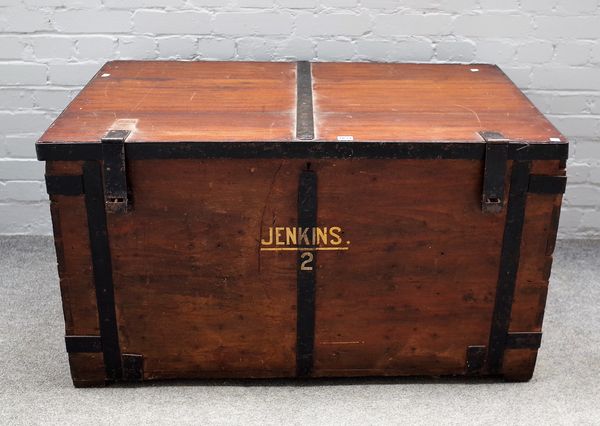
x,y
197,298
183,101
417,102
73,254
162,101
193,292
412,292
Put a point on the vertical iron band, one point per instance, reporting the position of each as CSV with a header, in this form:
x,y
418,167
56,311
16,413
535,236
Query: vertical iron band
x,y
305,127
509,264
306,279
102,268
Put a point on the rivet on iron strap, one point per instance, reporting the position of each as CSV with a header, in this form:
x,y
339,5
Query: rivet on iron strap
x,y
305,128
496,157
102,268
115,175
509,266
306,279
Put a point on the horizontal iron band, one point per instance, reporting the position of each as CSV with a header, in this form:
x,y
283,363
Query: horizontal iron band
x,y
64,185
76,344
547,184
524,340
306,149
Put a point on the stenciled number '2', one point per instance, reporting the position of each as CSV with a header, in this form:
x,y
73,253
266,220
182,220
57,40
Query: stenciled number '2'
x,y
307,258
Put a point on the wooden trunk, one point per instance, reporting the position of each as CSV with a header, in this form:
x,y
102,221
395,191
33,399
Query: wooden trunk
x,y
302,220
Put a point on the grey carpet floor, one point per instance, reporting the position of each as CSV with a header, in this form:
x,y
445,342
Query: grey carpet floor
x,y
35,387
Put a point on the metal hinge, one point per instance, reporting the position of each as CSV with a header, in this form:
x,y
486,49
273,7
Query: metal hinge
x,y
115,173
494,175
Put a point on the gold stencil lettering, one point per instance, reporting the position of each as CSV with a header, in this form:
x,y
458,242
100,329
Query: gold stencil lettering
x,y
303,237
322,236
307,258
334,233
278,236
291,236
270,240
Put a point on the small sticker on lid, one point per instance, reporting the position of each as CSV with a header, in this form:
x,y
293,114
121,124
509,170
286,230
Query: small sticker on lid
x,y
345,138
554,139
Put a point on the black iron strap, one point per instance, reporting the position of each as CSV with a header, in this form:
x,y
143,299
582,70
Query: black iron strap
x,y
115,175
306,278
302,149
133,367
102,268
76,344
524,340
64,185
509,264
475,359
305,128
547,184
494,175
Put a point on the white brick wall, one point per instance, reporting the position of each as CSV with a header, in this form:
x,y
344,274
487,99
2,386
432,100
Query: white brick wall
x,y
50,48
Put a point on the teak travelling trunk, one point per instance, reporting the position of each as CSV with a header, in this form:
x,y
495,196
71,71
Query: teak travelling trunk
x,y
240,220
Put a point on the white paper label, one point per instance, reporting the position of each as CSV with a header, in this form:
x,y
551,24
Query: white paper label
x,y
345,138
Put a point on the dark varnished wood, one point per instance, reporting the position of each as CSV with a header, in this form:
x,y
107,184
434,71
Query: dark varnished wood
x,y
73,256
418,102
175,101
161,101
407,297
187,268
197,298
87,369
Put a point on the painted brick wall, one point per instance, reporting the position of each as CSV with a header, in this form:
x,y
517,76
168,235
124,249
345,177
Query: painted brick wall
x,y
50,48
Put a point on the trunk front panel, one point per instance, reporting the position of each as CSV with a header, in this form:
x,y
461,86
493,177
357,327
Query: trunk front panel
x,y
409,287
